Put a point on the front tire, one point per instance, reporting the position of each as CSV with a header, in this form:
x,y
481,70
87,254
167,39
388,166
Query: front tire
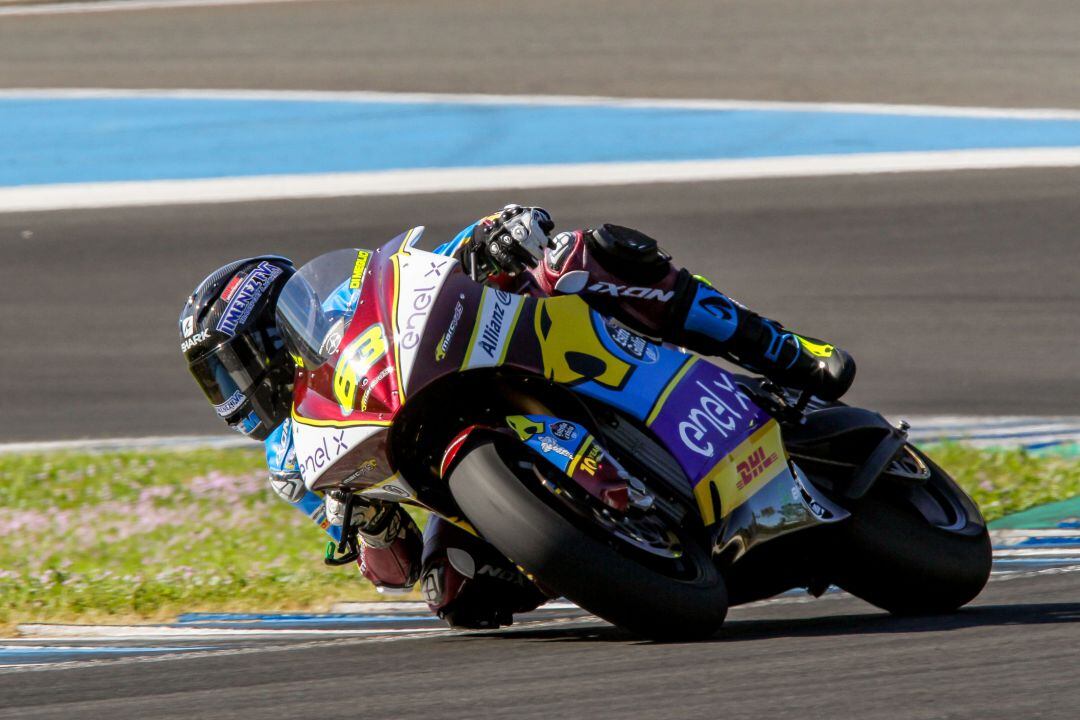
x,y
597,573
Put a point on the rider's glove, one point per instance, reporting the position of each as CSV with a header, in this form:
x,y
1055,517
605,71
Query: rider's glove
x,y
378,523
508,242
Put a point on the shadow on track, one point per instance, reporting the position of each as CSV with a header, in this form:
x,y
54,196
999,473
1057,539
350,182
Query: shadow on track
x,y
971,617
832,625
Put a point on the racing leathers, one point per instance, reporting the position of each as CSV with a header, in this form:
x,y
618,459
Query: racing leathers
x,y
622,273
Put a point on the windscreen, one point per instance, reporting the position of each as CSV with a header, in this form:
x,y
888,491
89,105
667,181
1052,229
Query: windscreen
x,y
317,303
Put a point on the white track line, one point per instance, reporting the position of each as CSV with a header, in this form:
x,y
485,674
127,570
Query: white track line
x,y
180,443
34,198
73,8
364,96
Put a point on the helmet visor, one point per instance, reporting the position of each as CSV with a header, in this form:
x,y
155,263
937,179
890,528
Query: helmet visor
x,y
228,372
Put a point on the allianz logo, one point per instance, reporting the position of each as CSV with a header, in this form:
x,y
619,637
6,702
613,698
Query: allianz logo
x,y
492,332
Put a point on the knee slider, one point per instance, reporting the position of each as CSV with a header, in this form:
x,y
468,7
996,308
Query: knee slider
x,y
628,253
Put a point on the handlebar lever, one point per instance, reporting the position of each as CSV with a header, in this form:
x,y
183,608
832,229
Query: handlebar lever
x,y
349,542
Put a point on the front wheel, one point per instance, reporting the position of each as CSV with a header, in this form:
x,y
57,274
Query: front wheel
x,y
680,595
913,550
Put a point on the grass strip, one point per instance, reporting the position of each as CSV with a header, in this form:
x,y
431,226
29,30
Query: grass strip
x,y
127,536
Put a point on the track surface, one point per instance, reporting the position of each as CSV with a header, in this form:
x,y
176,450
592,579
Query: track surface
x,y
956,292
1011,655
1006,53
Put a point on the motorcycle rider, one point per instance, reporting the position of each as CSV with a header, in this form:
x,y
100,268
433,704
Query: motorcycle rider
x,y
237,355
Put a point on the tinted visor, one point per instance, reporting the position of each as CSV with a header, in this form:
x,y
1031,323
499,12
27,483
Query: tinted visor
x,y
229,372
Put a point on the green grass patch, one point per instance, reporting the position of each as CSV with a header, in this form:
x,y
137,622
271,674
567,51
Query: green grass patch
x,y
145,535
148,535
1004,482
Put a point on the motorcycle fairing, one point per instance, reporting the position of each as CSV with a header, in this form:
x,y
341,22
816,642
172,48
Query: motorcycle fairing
x,y
343,407
693,406
730,449
575,452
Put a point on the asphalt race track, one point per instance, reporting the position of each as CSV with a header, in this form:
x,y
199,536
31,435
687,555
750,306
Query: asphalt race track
x,y
956,291
1010,655
922,276
1007,53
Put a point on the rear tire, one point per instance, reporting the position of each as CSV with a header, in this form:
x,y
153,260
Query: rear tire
x,y
514,515
890,555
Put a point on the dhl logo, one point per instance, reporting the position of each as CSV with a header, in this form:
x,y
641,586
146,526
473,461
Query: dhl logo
x,y
753,466
732,482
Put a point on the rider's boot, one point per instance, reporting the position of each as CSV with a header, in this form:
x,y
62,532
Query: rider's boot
x,y
624,274
468,583
390,546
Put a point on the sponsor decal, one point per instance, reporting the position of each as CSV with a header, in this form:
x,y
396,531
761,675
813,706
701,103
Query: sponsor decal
x,y
187,326
632,344
492,331
630,291
369,386
365,468
231,405
712,415
448,336
357,278
417,304
246,295
549,444
494,326
564,430
324,454
194,340
227,293
590,463
732,481
754,465
353,365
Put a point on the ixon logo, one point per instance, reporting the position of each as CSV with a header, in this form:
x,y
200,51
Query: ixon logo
x,y
629,291
753,466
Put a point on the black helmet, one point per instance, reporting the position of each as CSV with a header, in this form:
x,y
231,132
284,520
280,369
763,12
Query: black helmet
x,y
232,345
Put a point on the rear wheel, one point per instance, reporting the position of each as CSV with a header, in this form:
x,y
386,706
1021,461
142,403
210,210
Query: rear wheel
x,y
647,577
913,549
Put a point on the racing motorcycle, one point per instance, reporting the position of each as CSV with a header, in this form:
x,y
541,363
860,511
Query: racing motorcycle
x,y
648,485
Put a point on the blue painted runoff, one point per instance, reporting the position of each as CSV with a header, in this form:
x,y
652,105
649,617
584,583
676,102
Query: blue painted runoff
x,y
44,141
294,619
